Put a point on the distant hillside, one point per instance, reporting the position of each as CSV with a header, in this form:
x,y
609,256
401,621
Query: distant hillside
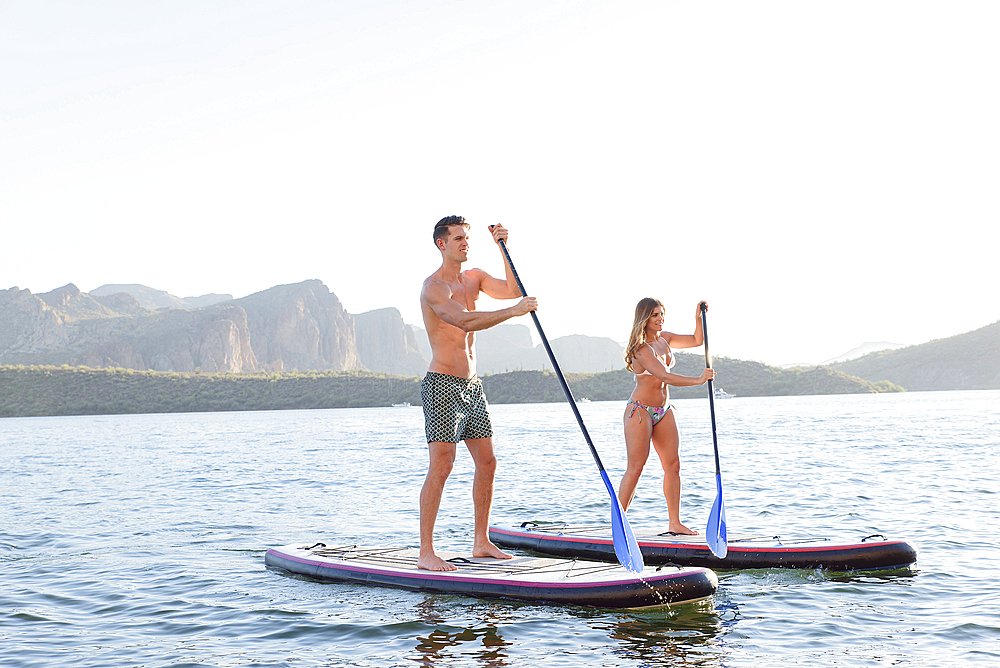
x,y
303,326
968,361
299,326
386,344
75,390
509,347
157,299
37,391
862,350
737,377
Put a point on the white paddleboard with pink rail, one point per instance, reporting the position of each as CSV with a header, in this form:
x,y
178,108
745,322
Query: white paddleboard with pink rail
x,y
533,579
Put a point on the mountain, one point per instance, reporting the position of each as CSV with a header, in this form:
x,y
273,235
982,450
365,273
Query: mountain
x,y
300,326
67,326
506,348
509,348
862,350
303,326
156,299
969,361
386,344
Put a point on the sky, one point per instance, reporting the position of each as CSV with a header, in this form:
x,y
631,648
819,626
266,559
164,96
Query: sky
x,y
822,174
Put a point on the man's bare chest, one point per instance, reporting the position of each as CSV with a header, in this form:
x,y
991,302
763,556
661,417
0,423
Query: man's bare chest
x,y
464,294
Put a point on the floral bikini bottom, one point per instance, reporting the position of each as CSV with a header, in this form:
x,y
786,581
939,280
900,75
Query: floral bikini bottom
x,y
656,413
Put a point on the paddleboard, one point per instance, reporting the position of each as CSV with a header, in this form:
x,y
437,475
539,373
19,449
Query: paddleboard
x,y
534,579
874,552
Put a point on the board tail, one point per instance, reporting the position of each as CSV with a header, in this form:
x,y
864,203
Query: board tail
x,y
626,547
715,535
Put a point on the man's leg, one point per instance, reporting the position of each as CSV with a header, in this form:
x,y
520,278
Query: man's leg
x,y
442,458
485,460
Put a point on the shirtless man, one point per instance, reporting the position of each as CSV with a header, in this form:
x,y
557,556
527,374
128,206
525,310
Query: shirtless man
x,y
452,395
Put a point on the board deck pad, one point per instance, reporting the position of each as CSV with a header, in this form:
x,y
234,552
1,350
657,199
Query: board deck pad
x,y
526,578
867,552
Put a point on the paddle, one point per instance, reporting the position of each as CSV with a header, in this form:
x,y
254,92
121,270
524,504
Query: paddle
x,y
715,534
626,548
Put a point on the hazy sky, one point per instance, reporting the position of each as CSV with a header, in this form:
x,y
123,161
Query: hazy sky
x,y
824,174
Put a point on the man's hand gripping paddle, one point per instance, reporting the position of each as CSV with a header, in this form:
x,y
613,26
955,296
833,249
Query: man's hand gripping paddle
x,y
715,534
626,548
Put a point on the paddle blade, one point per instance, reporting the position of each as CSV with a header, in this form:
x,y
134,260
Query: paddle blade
x,y
626,549
716,532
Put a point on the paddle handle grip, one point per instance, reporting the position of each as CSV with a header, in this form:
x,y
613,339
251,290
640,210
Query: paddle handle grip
x,y
711,388
552,358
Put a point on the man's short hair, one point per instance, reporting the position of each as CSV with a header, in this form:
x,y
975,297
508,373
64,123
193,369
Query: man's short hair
x,y
441,229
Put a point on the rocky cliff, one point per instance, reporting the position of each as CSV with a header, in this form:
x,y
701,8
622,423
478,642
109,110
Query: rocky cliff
x,y
301,326
28,325
506,348
509,348
386,344
156,299
67,326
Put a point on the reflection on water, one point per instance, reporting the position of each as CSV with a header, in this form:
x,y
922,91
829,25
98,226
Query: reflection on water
x,y
432,649
687,635
482,642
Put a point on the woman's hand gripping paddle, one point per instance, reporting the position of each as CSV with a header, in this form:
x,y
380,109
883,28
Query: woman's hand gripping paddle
x,y
715,534
626,548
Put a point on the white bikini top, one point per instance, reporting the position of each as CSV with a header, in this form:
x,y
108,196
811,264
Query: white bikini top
x,y
669,363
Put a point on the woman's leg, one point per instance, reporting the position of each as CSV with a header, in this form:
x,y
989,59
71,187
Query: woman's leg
x,y
638,428
666,440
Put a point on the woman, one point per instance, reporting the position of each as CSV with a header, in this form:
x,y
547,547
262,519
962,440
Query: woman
x,y
649,417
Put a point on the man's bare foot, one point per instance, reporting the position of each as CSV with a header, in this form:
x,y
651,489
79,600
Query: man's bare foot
x,y
490,550
432,562
681,530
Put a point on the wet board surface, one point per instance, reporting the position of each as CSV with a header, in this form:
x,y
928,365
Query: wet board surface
x,y
865,552
534,579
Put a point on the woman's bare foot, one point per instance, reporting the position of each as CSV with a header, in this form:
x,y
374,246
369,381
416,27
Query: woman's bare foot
x,y
681,530
432,562
490,550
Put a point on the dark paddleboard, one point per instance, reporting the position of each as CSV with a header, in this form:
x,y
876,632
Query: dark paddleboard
x,y
534,579
875,552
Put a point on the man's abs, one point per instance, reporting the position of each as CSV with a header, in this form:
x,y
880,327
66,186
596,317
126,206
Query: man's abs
x,y
452,352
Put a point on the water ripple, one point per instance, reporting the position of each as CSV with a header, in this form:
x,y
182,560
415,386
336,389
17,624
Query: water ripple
x,y
139,540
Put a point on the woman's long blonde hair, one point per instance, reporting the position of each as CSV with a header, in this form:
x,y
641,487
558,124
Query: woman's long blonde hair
x,y
643,311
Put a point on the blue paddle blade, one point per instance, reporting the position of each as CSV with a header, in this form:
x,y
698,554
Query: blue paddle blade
x,y
626,549
716,532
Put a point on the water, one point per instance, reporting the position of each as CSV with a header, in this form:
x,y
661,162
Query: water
x,y
139,540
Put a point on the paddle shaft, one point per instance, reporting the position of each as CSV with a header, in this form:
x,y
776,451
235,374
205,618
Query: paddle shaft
x,y
555,364
711,389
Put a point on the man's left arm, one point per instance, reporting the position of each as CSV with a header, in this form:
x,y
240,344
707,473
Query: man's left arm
x,y
494,287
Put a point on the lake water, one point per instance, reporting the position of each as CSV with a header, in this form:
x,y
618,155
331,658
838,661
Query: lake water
x,y
139,540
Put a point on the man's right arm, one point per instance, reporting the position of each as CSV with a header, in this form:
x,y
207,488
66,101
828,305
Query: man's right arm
x,y
438,297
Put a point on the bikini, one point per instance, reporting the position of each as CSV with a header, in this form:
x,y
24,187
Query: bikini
x,y
656,413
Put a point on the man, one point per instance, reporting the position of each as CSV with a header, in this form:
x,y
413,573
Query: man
x,y
454,403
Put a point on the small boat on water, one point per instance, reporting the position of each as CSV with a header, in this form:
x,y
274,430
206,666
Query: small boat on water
x,y
405,404
722,394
